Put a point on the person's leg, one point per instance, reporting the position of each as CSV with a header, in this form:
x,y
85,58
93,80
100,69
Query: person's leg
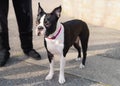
x,y
23,10
4,40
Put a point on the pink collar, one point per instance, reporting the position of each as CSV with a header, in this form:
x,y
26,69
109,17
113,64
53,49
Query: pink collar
x,y
54,37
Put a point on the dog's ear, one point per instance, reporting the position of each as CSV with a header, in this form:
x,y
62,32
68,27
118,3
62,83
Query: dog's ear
x,y
57,11
40,10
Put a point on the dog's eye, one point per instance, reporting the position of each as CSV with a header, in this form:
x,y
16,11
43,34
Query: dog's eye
x,y
47,24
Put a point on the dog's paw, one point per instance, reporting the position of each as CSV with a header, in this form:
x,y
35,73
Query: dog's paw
x,y
82,66
61,79
78,59
49,77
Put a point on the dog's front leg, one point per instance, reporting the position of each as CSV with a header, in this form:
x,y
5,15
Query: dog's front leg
x,y
62,66
51,71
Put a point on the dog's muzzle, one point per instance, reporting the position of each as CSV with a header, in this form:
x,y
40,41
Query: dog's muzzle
x,y
39,30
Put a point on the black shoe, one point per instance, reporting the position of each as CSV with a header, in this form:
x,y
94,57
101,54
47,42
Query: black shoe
x,y
32,53
4,56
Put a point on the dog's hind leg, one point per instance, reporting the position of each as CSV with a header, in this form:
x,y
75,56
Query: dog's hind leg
x,y
51,71
84,43
77,46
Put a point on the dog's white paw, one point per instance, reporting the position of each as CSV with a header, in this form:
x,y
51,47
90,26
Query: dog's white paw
x,y
82,66
49,77
61,79
78,59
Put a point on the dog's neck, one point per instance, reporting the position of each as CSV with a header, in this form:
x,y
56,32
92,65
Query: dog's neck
x,y
57,31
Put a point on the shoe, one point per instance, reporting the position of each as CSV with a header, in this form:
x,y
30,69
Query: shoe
x,y
32,53
4,56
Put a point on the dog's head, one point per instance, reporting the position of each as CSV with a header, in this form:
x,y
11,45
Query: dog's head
x,y
47,22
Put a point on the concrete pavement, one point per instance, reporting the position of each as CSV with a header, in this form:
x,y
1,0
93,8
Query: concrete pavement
x,y
102,66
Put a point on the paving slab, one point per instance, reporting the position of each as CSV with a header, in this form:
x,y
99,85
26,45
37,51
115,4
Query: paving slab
x,y
22,73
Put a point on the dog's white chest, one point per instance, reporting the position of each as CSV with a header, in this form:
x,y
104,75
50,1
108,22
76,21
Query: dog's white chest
x,y
54,46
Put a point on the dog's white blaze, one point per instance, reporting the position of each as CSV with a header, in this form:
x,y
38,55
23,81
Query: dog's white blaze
x,y
42,25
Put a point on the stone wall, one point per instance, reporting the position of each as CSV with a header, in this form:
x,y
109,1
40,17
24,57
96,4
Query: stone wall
x,y
97,12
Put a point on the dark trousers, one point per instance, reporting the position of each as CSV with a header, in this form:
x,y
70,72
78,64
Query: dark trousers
x,y
23,11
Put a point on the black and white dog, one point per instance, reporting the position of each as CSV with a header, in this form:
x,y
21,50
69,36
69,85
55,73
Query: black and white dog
x,y
59,37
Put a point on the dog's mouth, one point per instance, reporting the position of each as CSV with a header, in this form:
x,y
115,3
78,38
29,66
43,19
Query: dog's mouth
x,y
39,33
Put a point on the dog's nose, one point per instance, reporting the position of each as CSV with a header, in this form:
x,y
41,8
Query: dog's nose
x,y
40,28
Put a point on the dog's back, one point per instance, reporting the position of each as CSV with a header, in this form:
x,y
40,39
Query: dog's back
x,y
76,28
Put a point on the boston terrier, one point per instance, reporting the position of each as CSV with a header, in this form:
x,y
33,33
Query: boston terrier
x,y
59,37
